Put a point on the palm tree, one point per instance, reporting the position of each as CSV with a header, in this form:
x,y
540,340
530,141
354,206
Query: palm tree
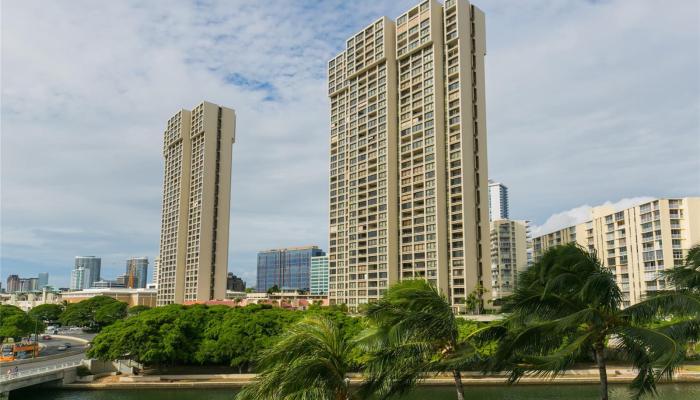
x,y
311,362
415,332
687,276
568,306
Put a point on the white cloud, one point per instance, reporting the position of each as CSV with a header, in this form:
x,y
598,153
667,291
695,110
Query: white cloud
x,y
582,214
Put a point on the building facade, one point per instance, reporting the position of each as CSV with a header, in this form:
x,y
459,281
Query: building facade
x,y
408,172
197,149
43,280
137,272
319,276
638,243
86,271
288,268
508,256
132,297
498,201
234,283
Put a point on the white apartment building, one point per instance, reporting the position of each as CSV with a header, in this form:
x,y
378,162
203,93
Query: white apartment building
x,y
408,172
637,243
498,201
508,255
193,259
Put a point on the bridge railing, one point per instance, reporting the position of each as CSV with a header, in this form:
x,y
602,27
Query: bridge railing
x,y
10,376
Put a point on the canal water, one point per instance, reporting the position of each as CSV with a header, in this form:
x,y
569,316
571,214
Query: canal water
x,y
517,392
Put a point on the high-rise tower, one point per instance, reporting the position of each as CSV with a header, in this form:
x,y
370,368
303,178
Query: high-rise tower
x,y
498,201
193,258
408,173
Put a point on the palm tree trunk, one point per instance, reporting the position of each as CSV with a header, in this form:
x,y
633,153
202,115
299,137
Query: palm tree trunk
x,y
458,384
600,360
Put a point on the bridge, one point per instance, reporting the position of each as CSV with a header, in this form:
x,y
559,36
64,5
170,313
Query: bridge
x,y
65,371
59,371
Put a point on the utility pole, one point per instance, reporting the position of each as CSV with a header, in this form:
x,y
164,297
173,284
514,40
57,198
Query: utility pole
x,y
36,337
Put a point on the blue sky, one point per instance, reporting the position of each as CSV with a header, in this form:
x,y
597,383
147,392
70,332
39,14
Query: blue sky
x,y
587,102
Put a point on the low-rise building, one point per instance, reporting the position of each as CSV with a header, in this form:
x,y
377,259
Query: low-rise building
x,y
133,297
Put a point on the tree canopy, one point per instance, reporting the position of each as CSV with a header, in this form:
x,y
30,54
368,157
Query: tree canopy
x,y
94,313
46,312
15,323
199,334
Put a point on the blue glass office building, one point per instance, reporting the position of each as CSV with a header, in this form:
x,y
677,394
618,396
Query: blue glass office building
x,y
288,268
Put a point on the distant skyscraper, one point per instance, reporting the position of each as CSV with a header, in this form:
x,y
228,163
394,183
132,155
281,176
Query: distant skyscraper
x,y
287,268
195,211
43,279
319,275
13,284
137,272
85,272
498,201
234,283
408,168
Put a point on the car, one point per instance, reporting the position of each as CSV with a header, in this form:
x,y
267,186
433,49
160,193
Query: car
x,y
62,348
46,337
67,345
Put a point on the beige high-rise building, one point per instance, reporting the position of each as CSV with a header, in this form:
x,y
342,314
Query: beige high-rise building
x,y
193,259
508,255
637,243
408,173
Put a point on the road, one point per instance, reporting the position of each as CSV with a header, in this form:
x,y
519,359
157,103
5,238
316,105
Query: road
x,y
51,349
53,344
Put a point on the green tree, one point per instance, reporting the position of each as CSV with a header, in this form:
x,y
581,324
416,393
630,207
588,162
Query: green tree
x,y
310,362
273,289
242,334
46,312
474,301
415,331
94,313
15,323
568,306
135,310
109,313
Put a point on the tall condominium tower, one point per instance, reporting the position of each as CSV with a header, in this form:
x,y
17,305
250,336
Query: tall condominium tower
x,y
196,196
498,201
86,272
408,174
13,284
638,243
136,272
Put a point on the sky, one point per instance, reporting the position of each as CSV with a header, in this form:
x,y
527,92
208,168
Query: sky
x,y
588,102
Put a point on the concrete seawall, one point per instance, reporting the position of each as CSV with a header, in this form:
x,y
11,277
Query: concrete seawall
x,y
576,377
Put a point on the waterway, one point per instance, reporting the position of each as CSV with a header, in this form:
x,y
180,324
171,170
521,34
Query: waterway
x,y
517,392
